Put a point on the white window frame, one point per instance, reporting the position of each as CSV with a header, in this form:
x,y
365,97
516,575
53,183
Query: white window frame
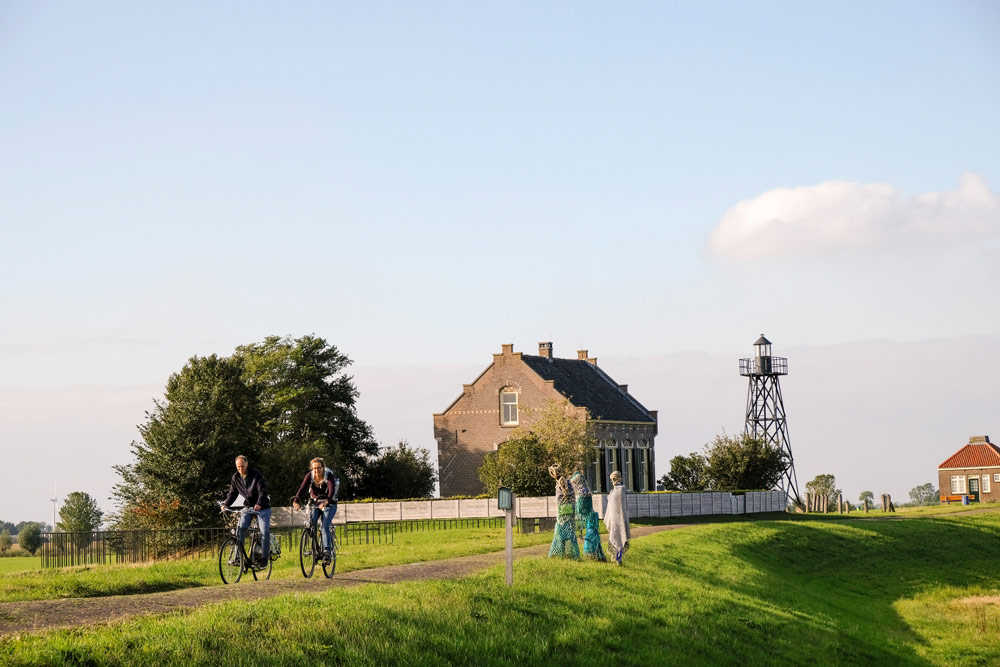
x,y
643,456
985,486
508,409
627,468
958,485
996,477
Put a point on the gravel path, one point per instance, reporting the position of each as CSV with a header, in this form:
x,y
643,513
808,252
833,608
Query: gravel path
x,y
38,615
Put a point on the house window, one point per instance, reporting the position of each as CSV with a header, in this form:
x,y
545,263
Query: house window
x,y
958,483
642,456
996,477
627,469
508,408
986,484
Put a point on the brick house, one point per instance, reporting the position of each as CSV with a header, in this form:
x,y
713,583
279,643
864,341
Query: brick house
x,y
974,470
489,408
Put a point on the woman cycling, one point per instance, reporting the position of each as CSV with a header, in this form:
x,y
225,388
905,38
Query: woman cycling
x,y
323,486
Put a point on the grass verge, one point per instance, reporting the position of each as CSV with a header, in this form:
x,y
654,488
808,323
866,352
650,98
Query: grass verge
x,y
799,590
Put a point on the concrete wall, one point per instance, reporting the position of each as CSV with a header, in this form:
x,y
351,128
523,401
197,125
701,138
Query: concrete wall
x,y
639,505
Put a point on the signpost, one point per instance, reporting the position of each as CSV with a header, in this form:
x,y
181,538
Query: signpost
x,y
505,501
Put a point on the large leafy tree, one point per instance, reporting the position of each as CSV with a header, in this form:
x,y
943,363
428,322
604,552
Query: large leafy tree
x,y
184,461
398,472
687,473
866,495
520,465
307,409
280,402
557,432
5,540
824,485
743,462
79,513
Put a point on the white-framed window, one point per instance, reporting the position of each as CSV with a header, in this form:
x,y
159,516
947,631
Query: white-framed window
x,y
508,408
642,456
958,484
996,477
627,469
986,484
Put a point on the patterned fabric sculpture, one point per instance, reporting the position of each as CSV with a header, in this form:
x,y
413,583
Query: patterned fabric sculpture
x,y
564,541
616,519
587,517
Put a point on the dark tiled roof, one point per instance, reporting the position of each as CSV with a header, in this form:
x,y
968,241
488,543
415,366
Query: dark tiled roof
x,y
983,455
589,387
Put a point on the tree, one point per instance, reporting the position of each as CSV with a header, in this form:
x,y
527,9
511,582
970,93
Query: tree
x,y
521,465
307,409
8,526
398,472
281,403
184,461
22,524
824,485
79,514
743,462
866,495
687,473
30,538
555,433
5,540
925,494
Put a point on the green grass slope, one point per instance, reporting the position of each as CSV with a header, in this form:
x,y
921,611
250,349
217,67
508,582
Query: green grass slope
x,y
798,590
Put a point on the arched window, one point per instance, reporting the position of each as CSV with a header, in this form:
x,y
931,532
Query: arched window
x,y
508,407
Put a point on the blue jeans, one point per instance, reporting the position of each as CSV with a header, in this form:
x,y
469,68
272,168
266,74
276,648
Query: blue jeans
x,y
264,521
328,513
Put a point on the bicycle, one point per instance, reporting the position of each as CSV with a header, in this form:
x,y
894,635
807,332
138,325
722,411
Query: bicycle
x,y
311,545
234,561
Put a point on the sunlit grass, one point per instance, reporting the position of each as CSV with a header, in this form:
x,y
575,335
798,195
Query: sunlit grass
x,y
799,590
103,580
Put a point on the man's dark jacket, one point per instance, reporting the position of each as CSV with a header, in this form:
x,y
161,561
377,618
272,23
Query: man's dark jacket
x,y
252,487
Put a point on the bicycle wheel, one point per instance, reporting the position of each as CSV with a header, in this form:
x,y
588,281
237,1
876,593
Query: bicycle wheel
x,y
306,557
254,568
329,568
230,561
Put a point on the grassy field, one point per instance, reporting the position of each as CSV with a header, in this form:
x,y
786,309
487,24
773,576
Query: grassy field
x,y
101,580
19,564
818,590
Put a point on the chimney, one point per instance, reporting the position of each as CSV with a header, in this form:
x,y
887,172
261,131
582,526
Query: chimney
x,y
581,355
507,348
623,387
545,350
979,440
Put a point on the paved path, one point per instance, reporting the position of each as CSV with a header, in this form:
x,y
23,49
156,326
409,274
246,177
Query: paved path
x,y
39,615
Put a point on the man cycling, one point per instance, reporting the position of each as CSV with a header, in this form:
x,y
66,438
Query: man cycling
x,y
249,483
323,486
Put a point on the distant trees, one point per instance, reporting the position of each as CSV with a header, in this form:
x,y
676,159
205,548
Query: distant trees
x,y
8,526
30,537
79,513
824,485
5,540
687,473
866,495
398,472
554,433
279,402
925,494
728,463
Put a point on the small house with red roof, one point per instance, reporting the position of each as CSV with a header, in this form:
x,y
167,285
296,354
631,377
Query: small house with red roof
x,y
974,470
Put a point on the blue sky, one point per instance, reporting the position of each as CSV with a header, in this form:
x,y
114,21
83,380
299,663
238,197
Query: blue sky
x,y
421,183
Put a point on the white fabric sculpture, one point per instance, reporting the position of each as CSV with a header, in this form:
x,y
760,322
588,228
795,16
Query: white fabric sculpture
x,y
616,519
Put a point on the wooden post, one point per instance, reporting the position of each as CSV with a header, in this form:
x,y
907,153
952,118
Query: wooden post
x,y
510,545
840,503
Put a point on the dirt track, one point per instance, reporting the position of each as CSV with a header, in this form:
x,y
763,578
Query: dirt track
x,y
38,615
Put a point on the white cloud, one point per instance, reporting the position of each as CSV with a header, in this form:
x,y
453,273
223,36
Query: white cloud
x,y
842,215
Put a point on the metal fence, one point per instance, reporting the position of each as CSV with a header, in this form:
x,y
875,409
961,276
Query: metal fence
x,y
106,547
